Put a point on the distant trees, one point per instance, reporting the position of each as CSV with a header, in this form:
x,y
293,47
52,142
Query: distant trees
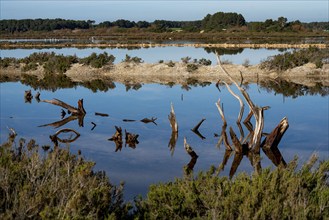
x,y
215,22
221,20
23,25
122,23
279,25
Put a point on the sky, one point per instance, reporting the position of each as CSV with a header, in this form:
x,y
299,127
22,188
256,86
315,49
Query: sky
x,y
150,10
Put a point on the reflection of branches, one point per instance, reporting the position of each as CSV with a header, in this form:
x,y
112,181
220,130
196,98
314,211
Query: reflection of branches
x,y
28,96
131,139
172,142
196,129
117,138
252,144
54,138
60,123
188,168
148,120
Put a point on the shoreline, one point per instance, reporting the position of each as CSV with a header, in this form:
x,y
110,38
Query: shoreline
x,y
145,73
149,45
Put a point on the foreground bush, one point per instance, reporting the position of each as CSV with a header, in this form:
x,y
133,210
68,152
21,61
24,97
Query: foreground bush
x,y
38,183
54,185
284,193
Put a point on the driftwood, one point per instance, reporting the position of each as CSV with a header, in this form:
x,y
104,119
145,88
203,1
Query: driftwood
x,y
194,157
101,114
250,145
75,111
94,125
37,97
28,96
131,139
55,139
196,129
128,120
149,120
117,138
172,119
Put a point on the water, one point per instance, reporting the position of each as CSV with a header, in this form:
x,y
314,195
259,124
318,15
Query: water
x,y
152,161
155,54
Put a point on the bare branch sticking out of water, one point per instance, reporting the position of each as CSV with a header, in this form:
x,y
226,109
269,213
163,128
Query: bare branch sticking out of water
x,y
172,119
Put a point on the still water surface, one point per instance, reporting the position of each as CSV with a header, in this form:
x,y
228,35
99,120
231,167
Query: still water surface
x,y
155,54
152,161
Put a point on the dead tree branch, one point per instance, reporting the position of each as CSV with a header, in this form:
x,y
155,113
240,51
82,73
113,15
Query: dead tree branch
x,y
172,119
75,111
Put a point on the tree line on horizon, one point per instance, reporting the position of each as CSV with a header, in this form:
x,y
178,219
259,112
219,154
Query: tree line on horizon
x,y
216,22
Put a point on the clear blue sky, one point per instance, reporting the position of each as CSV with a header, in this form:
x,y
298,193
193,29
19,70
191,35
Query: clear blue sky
x,y
107,10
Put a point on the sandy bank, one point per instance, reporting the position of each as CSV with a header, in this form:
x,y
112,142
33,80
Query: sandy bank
x,y
307,75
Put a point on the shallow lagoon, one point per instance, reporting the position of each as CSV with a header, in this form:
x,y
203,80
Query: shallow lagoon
x,y
155,54
152,161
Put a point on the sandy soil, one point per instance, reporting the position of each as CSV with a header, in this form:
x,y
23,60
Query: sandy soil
x,y
307,75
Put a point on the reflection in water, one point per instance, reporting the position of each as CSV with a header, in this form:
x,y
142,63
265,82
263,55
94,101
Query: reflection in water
x,y
149,120
28,96
172,142
55,139
223,51
117,138
196,129
37,97
294,90
279,85
60,123
131,139
188,168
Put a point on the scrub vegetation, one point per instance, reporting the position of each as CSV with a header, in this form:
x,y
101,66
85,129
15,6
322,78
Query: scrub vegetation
x,y
41,183
289,60
50,182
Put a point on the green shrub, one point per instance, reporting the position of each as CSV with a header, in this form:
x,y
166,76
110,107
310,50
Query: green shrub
x,y
98,61
246,63
5,62
204,62
59,64
130,59
170,63
30,66
191,67
54,184
186,59
283,193
296,58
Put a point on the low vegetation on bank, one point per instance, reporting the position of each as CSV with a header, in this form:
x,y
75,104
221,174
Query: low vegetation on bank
x,y
289,60
50,182
54,63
